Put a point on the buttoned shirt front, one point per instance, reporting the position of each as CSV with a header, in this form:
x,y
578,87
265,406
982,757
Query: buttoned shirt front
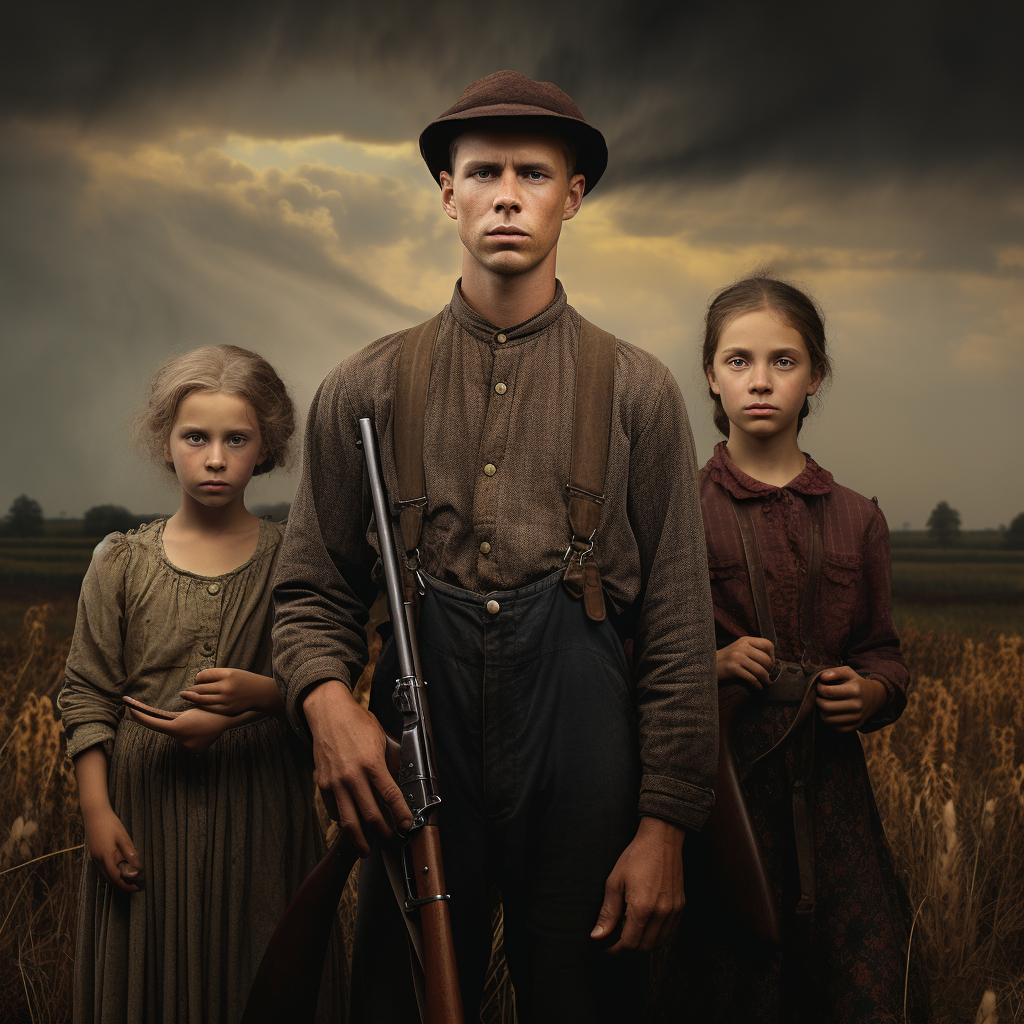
x,y
497,444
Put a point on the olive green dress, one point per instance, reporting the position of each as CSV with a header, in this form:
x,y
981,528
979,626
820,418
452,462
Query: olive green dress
x,y
225,836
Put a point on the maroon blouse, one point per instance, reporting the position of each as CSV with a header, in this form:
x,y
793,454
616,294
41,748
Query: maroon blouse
x,y
854,602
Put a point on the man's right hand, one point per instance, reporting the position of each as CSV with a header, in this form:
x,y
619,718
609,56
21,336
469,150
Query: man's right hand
x,y
348,754
748,659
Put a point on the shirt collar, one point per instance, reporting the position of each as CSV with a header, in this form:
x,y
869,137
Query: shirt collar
x,y
725,472
482,329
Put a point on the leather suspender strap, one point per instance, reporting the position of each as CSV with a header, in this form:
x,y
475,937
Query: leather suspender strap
x,y
411,384
591,429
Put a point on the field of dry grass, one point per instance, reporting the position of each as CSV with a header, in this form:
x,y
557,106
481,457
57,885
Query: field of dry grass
x,y
949,779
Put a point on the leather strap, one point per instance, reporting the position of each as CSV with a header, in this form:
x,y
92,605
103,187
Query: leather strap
x,y
802,729
412,381
591,429
755,571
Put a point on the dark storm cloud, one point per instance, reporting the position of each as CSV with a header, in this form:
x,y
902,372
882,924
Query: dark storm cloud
x,y
683,90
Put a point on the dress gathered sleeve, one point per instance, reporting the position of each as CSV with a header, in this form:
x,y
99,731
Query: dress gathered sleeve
x,y
95,676
323,585
874,645
674,645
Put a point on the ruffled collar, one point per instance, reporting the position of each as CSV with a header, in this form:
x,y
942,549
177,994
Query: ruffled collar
x,y
813,479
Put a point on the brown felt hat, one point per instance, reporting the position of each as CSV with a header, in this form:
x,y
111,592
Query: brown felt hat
x,y
510,102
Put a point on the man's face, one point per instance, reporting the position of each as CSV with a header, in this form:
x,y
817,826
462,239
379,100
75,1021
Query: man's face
x,y
510,194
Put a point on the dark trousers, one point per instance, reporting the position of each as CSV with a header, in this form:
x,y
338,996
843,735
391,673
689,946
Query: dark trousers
x,y
535,731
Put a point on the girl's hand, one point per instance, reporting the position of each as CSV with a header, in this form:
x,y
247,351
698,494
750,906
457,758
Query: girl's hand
x,y
112,850
230,691
748,659
847,700
194,729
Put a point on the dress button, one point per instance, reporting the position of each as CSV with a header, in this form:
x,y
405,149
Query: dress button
x,y
213,588
489,470
485,548
500,388
501,339
493,607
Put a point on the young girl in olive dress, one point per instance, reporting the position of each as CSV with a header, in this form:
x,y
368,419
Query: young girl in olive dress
x,y
825,562
199,815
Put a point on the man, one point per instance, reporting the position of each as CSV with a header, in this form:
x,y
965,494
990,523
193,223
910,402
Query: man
x,y
565,783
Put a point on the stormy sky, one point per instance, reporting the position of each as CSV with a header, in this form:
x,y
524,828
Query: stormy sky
x,y
177,175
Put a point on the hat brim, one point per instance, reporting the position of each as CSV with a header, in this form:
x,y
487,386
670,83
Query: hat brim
x,y
591,149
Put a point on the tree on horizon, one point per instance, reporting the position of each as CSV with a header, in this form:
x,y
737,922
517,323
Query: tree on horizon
x,y
1015,533
944,524
100,520
24,518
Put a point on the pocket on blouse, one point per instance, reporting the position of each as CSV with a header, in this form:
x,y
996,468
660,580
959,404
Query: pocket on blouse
x,y
840,589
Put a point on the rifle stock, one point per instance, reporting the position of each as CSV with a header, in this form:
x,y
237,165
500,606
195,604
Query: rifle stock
x,y
743,881
287,984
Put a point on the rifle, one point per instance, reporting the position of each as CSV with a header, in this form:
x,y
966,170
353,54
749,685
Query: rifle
x,y
736,854
287,984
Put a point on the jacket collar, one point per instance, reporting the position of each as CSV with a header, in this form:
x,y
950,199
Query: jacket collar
x,y
483,330
813,479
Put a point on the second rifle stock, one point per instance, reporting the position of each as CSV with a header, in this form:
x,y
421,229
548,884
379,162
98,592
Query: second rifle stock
x,y
738,860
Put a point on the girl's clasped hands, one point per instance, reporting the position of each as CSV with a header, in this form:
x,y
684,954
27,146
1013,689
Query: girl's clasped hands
x,y
224,698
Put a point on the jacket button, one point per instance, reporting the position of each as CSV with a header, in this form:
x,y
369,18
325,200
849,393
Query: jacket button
x,y
213,588
207,648
493,607
500,388
485,548
490,470
501,339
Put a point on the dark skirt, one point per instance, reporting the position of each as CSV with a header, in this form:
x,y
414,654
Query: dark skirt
x,y
854,966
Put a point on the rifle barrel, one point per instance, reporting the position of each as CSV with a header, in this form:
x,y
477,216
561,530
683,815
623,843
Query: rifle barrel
x,y
386,543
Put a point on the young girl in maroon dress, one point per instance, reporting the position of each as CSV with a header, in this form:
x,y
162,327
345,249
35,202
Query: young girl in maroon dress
x,y
843,957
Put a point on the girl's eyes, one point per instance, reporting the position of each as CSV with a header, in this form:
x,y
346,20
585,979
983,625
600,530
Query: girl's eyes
x,y
736,361
784,362
236,441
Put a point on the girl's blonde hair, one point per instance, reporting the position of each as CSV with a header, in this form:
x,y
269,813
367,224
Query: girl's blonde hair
x,y
219,368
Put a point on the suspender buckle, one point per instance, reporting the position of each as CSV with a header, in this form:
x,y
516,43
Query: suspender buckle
x,y
585,553
419,502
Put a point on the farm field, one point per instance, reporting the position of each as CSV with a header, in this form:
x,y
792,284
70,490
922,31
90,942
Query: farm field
x,y
949,777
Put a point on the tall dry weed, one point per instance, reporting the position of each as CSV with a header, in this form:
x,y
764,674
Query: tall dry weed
x,y
38,818
949,781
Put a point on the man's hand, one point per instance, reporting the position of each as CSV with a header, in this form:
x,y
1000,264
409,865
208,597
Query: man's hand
x,y
194,729
348,754
646,882
748,659
847,700
230,691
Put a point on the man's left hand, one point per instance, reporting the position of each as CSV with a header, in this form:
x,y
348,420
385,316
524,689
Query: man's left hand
x,y
645,888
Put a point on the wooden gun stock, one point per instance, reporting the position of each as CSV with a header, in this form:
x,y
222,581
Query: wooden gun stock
x,y
738,859
287,984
